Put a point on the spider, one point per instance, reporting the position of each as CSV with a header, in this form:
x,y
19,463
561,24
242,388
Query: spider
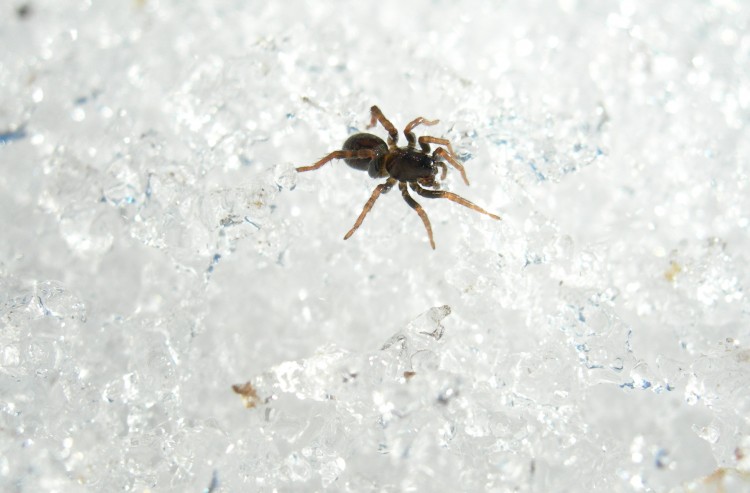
x,y
408,166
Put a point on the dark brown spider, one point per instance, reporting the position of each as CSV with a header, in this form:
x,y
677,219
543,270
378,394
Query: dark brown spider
x,y
408,165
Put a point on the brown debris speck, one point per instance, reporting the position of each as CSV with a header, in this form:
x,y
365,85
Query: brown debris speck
x,y
671,273
249,395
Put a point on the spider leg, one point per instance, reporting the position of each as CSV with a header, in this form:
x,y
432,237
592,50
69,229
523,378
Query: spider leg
x,y
439,194
362,153
410,135
443,154
426,139
414,205
377,115
382,188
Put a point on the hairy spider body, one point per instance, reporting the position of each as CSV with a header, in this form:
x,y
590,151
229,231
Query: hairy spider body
x,y
409,166
402,163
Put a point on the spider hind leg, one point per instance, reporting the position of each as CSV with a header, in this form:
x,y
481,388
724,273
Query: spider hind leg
x,y
360,154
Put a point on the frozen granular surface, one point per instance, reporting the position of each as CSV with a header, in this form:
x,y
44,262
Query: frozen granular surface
x,y
179,311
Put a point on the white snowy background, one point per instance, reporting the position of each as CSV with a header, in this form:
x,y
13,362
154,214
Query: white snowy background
x,y
157,248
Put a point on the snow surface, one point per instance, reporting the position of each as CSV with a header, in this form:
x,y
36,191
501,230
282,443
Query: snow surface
x,y
157,248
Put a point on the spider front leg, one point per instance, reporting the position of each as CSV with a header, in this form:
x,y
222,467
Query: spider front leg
x,y
382,188
377,115
417,121
427,139
422,214
441,153
439,194
362,153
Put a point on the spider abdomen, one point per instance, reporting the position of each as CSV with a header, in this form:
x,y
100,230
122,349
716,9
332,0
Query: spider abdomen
x,y
405,164
361,141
